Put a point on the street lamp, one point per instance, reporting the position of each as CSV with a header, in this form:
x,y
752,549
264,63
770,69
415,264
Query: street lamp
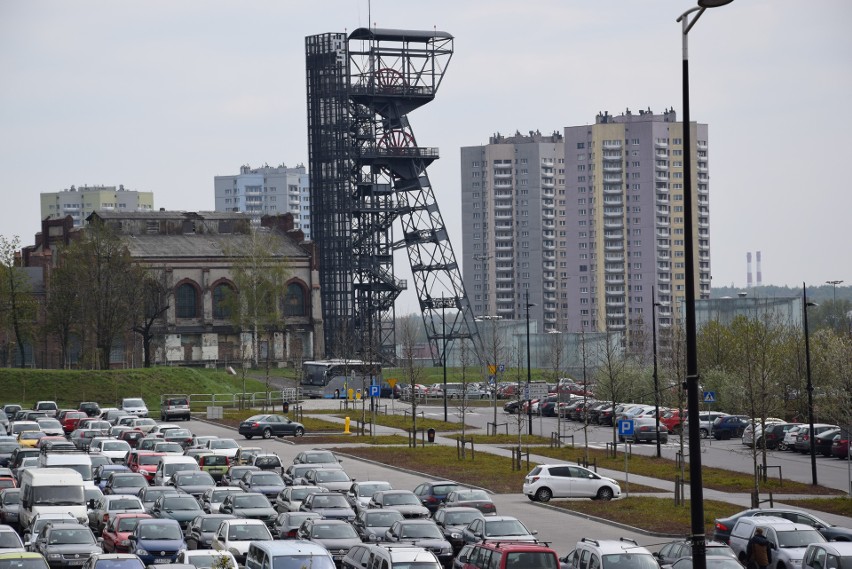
x,y
834,302
654,305
696,490
812,440
529,370
443,304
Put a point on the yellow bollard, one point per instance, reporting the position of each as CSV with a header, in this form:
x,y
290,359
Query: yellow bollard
x,y
351,394
346,426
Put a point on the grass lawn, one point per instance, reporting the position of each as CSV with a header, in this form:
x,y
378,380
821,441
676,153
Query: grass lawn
x,y
405,422
503,439
652,514
842,505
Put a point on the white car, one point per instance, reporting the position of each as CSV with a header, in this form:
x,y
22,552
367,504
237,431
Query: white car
x,y
223,447
115,450
235,536
144,424
10,541
134,406
207,558
547,481
51,426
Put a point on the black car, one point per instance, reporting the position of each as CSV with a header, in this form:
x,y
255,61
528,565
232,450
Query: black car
x,y
773,436
729,427
268,426
512,407
7,447
675,550
90,408
249,506
287,524
824,440
199,534
371,525
62,544
316,457
181,508
453,520
337,536
422,533
433,494
723,526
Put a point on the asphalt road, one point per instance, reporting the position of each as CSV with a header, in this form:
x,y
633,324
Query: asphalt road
x,y
560,529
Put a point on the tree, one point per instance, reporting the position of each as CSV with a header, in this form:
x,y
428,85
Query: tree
x,y
18,308
495,353
63,308
614,377
107,284
466,359
156,293
411,368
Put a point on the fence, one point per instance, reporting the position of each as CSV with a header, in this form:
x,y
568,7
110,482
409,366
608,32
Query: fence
x,y
256,399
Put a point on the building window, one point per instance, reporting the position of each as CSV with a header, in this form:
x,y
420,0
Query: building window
x,y
186,301
294,301
222,293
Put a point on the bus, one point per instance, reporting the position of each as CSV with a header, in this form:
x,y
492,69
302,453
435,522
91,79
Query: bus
x,y
332,379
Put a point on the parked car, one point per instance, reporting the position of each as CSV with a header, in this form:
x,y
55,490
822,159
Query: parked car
x,y
206,559
548,481
200,531
114,537
803,436
331,505
333,479
269,484
287,524
182,508
789,540
730,427
234,474
833,555
237,535
290,498
452,520
61,544
497,528
212,498
433,494
157,541
678,549
422,533
124,483
645,430
249,506
705,422
267,426
723,526
824,441
337,536
371,525
473,498
194,483
773,437
403,501
359,493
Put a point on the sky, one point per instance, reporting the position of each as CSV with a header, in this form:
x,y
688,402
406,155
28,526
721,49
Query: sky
x,y
163,95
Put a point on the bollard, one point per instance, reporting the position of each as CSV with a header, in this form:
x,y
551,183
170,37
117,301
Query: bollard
x,y
346,426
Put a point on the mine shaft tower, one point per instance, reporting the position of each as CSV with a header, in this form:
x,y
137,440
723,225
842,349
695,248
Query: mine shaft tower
x,y
366,171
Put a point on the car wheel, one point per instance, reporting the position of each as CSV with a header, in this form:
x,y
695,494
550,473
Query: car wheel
x,y
544,494
299,432
605,494
248,436
780,565
781,446
532,498
704,433
267,433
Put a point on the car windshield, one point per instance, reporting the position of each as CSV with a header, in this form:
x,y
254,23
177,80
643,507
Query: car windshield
x,y
441,489
367,490
168,447
505,527
178,433
418,565
251,501
9,540
11,498
180,503
26,563
461,518
210,524
400,500
798,538
300,561
332,476
148,459
59,495
473,495
124,504
195,478
180,467
329,501
219,495
160,531
333,531
382,519
71,535
129,482
133,403
267,479
7,447
427,531
300,493
205,560
128,524
267,461
116,445
223,444
629,561
248,532
49,423
537,559
319,458
124,563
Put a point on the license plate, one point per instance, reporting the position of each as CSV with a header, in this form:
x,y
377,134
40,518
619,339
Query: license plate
x,y
163,560
76,562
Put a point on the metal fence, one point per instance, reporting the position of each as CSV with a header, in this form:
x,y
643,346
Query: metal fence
x,y
256,399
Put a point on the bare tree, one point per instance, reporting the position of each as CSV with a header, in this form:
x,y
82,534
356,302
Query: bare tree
x,y
63,308
411,366
615,376
495,354
466,359
17,305
157,291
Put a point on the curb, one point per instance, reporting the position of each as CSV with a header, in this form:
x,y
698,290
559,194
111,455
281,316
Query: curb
x,y
609,522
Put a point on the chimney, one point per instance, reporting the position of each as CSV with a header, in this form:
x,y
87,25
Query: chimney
x,y
759,273
748,270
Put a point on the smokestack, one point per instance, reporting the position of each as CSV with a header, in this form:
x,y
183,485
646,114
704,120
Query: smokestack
x,y
748,269
759,275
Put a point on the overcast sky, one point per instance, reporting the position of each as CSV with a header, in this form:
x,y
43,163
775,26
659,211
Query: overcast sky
x,y
161,96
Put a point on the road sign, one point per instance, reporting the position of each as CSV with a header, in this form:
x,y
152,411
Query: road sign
x,y
501,368
492,379
375,390
709,396
492,369
392,382
625,427
535,390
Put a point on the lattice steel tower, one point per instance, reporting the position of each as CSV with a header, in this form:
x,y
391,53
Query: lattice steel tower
x,y
366,171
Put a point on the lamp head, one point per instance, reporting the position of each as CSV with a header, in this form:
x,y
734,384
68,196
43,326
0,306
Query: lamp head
x,y
809,304
713,3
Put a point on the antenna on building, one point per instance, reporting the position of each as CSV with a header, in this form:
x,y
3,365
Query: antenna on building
x,y
748,270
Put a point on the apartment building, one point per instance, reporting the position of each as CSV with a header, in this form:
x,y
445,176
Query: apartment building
x,y
623,229
268,190
80,202
510,188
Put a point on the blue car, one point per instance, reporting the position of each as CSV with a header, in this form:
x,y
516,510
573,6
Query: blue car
x,y
157,541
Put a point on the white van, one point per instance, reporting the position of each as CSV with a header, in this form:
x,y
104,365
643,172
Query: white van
x,y
52,490
69,458
168,465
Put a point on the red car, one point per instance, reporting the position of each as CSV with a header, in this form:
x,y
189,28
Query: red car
x,y
7,482
840,445
673,420
145,463
71,419
132,437
117,531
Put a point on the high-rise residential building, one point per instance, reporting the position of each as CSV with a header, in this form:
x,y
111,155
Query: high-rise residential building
x,y
82,201
513,202
267,190
587,224
621,222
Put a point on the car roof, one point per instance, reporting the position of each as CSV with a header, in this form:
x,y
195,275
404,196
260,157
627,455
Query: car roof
x,y
842,548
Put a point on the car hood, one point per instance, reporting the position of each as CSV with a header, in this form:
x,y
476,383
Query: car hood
x,y
72,548
181,515
195,490
410,510
334,512
792,553
256,513
161,544
335,544
268,490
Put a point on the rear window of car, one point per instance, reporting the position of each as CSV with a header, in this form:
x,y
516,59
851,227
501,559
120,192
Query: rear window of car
x,y
175,402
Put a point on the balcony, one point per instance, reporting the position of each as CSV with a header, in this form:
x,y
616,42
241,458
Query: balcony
x,y
614,247
614,270
611,235
663,278
615,291
615,304
503,175
611,144
611,167
664,289
612,179
502,215
661,144
663,245
616,213
661,167
611,156
661,177
612,190
616,327
611,224
501,247
664,154
614,279
614,257
547,184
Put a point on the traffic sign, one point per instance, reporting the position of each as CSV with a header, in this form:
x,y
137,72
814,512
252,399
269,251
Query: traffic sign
x,y
501,368
535,390
709,396
625,427
492,379
492,369
392,382
375,390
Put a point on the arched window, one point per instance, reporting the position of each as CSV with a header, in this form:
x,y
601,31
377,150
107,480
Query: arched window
x,y
186,301
223,297
294,301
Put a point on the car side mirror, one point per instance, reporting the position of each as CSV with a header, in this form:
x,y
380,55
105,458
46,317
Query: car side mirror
x,y
534,532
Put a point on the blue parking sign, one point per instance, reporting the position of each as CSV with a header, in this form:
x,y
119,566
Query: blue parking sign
x,y
375,390
625,427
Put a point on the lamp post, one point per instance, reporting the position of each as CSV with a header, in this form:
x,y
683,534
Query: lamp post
x,y
810,388
696,490
834,302
654,305
529,369
443,304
